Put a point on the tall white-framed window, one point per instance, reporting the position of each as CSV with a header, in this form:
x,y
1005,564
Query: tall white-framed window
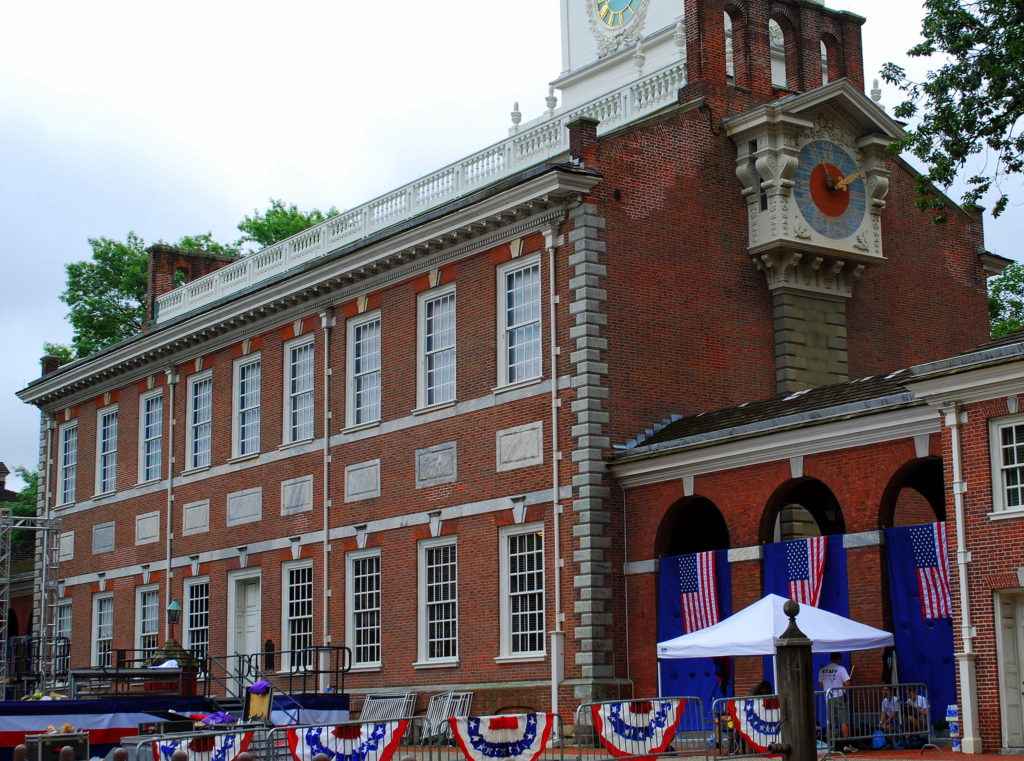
x,y
147,620
363,592
298,390
363,369
200,420
197,616
521,566
439,600
246,421
437,368
68,464
106,450
62,630
102,628
151,431
1007,444
297,614
519,321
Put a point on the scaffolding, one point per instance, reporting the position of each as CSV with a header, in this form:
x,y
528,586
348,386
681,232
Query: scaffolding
x,y
47,531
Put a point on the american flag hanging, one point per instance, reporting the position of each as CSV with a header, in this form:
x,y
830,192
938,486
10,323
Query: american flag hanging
x,y
805,568
698,591
932,564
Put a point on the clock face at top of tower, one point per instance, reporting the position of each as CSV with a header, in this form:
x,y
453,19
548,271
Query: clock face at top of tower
x,y
616,13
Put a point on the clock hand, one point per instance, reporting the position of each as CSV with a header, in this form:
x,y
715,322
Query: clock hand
x,y
841,185
828,177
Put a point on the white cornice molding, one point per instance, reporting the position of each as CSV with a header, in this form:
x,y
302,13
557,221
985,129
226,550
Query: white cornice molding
x,y
970,385
436,240
754,450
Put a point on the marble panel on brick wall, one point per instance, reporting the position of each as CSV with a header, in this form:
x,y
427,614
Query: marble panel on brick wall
x,y
147,528
66,549
103,538
297,495
362,481
245,506
520,446
196,518
436,464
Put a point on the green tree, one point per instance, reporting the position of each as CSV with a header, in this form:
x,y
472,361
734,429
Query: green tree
x,y
279,222
62,352
25,505
972,103
1006,300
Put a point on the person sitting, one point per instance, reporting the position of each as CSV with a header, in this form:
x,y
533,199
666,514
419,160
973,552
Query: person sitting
x,y
916,713
889,716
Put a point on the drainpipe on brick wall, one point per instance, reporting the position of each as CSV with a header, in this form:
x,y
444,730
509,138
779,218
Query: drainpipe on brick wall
x,y
557,635
172,381
46,537
326,322
971,742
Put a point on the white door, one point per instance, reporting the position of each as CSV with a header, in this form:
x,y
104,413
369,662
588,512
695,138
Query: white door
x,y
247,617
1011,630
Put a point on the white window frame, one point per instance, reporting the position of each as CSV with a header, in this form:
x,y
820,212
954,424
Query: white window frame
x,y
68,463
102,604
507,328
246,409
198,458
1001,505
372,377
507,649
443,393
147,619
289,632
63,622
351,559
151,434
194,616
293,399
106,449
426,604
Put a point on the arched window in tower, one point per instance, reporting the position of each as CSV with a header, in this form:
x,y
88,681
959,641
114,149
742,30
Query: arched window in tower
x,y
730,61
824,63
180,277
777,46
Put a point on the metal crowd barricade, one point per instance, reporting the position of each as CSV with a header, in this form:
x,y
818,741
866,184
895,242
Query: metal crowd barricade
x,y
642,727
876,716
279,742
440,749
745,725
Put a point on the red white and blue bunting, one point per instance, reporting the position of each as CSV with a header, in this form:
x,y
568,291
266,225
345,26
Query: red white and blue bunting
x,y
642,728
348,742
757,720
516,737
220,747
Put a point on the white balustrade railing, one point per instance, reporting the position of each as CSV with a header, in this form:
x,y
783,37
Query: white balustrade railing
x,y
532,146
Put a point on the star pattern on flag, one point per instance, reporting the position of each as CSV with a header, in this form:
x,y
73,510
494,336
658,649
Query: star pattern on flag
x,y
931,561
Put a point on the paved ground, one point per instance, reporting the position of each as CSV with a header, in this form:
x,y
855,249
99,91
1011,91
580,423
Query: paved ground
x,y
926,755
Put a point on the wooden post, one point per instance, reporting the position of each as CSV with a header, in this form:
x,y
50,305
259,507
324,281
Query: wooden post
x,y
796,690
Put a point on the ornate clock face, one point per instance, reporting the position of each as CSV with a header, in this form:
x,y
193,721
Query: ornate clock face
x,y
829,189
616,13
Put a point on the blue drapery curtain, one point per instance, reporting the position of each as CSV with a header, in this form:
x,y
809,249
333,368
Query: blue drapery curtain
x,y
924,648
705,678
834,593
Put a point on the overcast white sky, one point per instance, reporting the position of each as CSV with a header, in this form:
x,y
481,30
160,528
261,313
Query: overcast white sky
x,y
173,119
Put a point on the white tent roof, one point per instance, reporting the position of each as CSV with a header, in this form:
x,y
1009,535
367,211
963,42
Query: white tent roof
x,y
754,630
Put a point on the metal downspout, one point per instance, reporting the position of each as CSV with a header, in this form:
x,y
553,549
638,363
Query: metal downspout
x,y
557,635
326,323
971,742
172,383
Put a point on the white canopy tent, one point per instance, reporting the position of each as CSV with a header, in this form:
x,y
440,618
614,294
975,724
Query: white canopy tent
x,y
755,629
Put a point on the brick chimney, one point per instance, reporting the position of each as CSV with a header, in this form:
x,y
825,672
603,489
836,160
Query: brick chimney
x,y
170,267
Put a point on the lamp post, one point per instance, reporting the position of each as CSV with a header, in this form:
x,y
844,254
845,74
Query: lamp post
x,y
173,615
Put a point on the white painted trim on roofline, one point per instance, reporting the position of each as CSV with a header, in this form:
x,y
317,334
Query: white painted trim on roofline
x,y
966,386
754,450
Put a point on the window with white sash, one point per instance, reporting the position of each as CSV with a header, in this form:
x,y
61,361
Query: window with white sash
x,y
298,390
364,607
522,590
151,431
298,614
68,463
246,427
436,364
147,620
364,389
106,450
197,616
519,334
200,420
439,600
102,629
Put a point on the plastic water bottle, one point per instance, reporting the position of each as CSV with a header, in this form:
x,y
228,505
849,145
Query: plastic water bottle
x,y
953,720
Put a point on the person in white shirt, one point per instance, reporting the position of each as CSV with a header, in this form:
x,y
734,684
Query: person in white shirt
x,y
889,718
834,678
917,710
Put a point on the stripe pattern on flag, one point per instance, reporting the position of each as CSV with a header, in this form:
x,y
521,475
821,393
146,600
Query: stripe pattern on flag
x,y
757,720
931,560
517,737
220,747
805,569
348,742
639,729
698,591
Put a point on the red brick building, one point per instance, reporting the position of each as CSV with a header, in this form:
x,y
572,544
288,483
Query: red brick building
x,y
393,431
